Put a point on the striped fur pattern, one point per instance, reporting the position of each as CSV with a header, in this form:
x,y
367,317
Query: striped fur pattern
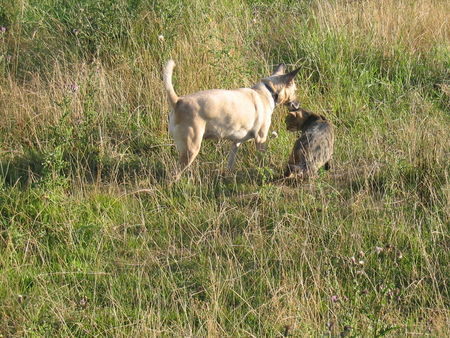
x,y
314,148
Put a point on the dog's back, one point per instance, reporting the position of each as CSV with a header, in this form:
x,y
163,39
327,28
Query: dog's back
x,y
314,148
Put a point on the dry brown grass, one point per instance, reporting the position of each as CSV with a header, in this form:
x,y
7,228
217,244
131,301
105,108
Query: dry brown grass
x,y
415,24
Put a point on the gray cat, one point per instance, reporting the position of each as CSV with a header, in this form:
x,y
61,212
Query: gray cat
x,y
313,149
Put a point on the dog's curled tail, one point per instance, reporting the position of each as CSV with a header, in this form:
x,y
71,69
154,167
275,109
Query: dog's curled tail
x,y
167,77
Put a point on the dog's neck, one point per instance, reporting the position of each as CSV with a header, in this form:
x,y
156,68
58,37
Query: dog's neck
x,y
272,92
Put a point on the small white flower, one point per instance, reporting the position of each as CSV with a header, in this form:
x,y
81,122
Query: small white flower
x,y
161,37
73,87
378,250
274,134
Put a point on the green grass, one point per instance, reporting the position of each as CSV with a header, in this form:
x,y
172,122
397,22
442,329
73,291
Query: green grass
x,y
96,239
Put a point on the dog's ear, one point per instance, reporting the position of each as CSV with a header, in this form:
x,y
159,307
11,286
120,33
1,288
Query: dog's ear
x,y
289,78
279,70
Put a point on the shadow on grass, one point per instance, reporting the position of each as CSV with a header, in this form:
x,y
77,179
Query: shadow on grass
x,y
32,167
22,170
424,181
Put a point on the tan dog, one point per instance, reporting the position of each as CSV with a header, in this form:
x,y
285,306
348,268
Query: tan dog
x,y
237,115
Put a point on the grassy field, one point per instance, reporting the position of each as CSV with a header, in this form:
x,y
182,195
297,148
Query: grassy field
x,y
96,239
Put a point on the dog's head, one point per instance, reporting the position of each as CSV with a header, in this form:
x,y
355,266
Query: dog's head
x,y
296,119
283,85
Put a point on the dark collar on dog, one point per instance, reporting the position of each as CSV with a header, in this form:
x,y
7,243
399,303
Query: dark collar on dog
x,y
271,91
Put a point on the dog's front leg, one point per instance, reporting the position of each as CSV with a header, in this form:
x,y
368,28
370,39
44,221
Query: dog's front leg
x,y
261,138
260,144
261,147
232,155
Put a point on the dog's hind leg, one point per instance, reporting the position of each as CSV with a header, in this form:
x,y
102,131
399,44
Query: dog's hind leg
x,y
188,143
232,155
